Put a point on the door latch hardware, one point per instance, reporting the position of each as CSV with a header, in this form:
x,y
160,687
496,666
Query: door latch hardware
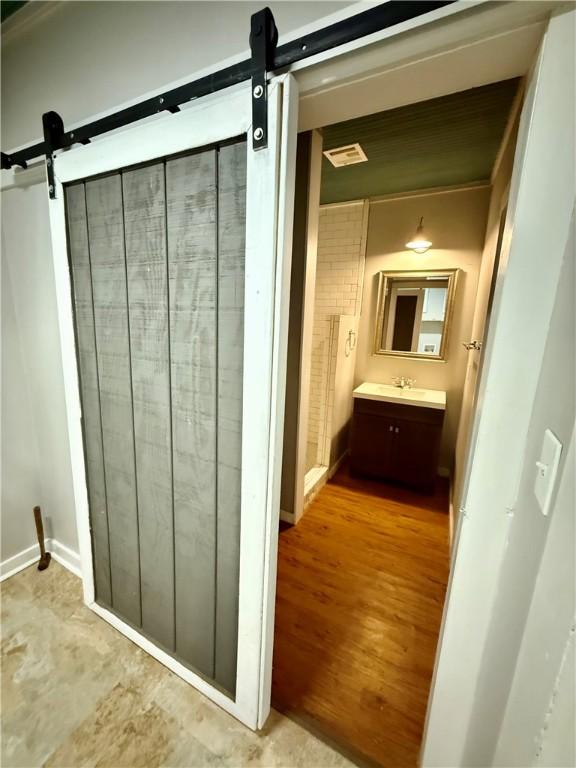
x,y
263,39
53,139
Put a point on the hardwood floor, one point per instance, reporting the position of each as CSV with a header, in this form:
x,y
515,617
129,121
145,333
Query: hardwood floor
x,y
361,584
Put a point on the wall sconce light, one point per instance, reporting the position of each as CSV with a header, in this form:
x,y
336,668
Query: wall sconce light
x,y
419,243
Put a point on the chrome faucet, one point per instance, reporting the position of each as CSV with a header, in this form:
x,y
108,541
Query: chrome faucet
x,y
403,382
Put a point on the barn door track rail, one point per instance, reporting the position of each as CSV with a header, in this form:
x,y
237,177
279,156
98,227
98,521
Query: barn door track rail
x,y
266,57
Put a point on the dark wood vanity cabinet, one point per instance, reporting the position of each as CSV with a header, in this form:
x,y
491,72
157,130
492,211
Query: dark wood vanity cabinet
x,y
397,442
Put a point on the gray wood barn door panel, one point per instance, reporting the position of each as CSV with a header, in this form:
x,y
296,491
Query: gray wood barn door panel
x,y
146,260
192,236
89,390
106,239
231,250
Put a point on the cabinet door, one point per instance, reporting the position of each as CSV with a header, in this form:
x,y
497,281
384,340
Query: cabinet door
x,y
415,452
372,445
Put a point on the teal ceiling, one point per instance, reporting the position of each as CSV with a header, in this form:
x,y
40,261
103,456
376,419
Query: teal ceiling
x,y
450,140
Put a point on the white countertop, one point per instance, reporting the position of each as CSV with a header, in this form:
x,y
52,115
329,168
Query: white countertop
x,y
426,398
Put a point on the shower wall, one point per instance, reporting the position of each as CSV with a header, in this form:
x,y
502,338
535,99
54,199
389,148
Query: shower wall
x,y
322,344
338,295
345,336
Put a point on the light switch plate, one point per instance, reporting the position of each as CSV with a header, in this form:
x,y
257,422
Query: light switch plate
x,y
546,470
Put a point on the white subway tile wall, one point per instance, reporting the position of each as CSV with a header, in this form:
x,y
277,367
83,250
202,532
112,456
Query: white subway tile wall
x,y
339,277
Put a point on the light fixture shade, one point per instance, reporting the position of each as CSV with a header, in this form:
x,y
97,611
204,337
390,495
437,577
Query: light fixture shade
x,y
419,243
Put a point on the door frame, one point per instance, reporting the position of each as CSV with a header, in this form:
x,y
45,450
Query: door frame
x,y
503,411
335,86
418,313
269,183
446,55
535,237
307,329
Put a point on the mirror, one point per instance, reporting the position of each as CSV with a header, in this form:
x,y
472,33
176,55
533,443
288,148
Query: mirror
x,y
414,313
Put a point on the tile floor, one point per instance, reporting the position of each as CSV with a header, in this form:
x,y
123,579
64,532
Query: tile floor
x,y
76,693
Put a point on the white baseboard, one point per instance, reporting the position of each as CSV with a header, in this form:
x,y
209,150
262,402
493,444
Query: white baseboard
x,y
18,562
61,554
316,479
287,517
313,477
65,556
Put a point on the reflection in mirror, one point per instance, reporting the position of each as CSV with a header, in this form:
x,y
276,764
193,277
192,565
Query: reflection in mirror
x,y
414,312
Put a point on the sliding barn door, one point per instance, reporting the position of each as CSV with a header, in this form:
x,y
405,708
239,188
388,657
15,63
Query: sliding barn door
x,y
171,267
157,262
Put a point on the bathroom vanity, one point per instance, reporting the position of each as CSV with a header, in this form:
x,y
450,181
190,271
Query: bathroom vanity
x,y
396,433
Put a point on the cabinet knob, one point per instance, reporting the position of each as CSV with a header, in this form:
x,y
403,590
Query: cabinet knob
x,y
390,428
397,430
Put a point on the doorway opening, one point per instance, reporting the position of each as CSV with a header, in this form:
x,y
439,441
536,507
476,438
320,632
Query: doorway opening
x,y
396,251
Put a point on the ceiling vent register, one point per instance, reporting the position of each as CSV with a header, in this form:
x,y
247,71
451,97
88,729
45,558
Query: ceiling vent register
x,y
351,154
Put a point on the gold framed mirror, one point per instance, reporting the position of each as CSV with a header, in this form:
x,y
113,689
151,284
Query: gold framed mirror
x,y
414,313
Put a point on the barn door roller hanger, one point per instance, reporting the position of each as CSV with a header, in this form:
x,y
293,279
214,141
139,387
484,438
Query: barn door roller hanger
x,y
266,56
263,40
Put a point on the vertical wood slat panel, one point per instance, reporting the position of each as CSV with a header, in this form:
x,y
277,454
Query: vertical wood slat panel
x,y
89,389
167,245
191,214
146,260
231,258
106,238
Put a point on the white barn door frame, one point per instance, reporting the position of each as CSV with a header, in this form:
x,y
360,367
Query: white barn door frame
x,y
478,22
542,195
269,200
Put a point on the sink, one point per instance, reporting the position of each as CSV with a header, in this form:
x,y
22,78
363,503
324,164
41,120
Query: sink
x,y
425,398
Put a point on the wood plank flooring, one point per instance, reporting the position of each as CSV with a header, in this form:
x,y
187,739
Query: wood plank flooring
x,y
361,584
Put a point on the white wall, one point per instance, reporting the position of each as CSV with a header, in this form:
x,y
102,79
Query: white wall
x,y
20,457
498,200
530,532
538,723
36,466
527,385
78,58
455,223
